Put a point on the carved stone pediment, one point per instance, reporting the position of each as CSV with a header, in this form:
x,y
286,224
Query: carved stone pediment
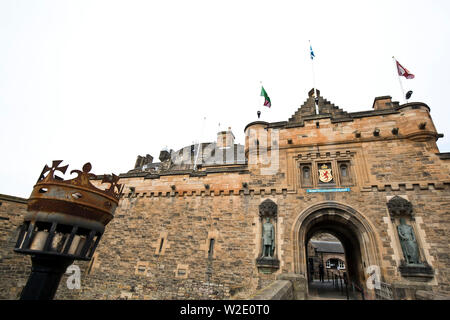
x,y
268,209
400,207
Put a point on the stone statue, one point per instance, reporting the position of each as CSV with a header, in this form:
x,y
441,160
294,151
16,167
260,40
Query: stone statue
x,y
268,239
408,242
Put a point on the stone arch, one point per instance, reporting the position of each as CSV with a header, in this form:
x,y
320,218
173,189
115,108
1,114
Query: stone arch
x,y
354,231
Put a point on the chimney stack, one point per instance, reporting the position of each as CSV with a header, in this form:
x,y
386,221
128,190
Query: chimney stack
x,y
382,103
225,139
139,162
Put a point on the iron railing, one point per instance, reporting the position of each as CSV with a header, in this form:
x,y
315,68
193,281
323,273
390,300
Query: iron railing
x,y
384,291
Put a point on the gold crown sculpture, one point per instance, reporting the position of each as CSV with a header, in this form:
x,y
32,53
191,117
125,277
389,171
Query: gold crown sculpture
x,y
324,167
67,217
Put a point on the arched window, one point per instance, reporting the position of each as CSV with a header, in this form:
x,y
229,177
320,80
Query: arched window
x,y
344,171
306,173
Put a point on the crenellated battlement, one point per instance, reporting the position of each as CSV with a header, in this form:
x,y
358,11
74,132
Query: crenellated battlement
x,y
203,193
407,186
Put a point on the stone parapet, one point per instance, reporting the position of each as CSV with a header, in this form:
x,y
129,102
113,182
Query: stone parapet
x,y
404,186
430,295
8,198
299,284
206,193
277,290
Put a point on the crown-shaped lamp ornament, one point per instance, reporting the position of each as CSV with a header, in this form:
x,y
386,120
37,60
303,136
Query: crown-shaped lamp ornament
x,y
64,222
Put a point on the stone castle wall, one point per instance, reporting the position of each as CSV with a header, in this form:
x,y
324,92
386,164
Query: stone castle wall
x,y
14,268
128,262
157,245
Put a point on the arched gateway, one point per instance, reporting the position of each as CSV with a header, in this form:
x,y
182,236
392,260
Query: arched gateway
x,y
353,230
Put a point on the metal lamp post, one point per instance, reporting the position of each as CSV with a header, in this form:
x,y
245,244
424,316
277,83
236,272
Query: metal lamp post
x,y
64,222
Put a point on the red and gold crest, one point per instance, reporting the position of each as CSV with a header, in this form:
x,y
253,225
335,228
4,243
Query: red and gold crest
x,y
325,174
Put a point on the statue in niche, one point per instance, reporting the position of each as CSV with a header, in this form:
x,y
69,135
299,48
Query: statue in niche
x,y
268,239
408,242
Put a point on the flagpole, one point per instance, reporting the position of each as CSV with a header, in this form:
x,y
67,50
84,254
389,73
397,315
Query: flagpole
x,y
314,82
314,88
259,111
399,80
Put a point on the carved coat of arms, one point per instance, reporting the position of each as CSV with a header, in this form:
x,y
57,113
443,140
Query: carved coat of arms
x,y
325,174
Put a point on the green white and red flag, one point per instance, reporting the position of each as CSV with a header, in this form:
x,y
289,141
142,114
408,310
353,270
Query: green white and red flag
x,y
264,94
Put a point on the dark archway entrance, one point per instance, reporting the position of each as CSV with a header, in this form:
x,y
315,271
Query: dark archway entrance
x,y
351,228
325,254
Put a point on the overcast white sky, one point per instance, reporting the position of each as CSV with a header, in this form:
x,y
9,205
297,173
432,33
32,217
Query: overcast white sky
x,y
104,81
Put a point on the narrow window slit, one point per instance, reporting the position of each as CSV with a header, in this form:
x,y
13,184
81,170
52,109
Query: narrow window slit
x,y
211,248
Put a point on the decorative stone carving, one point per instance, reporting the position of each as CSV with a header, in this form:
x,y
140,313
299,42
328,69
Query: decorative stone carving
x,y
400,207
268,209
325,175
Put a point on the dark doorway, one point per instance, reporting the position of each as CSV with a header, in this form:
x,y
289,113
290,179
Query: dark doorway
x,y
326,267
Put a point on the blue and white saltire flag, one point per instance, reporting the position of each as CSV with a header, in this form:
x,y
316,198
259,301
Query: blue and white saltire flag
x,y
312,52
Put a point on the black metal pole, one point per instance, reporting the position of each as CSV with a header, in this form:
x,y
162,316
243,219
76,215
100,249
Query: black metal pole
x,y
46,273
346,289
